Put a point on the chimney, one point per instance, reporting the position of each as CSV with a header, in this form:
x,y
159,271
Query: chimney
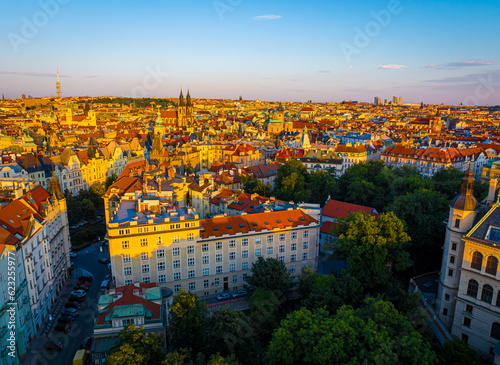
x,y
492,190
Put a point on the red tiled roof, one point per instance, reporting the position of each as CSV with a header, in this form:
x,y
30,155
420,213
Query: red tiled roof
x,y
338,209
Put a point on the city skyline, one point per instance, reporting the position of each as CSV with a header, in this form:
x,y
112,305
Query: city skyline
x,y
427,52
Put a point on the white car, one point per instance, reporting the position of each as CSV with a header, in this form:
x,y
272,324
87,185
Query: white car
x,y
223,296
78,293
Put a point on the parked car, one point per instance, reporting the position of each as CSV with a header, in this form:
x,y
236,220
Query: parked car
x,y
107,277
61,327
66,319
103,261
69,312
109,267
72,254
54,345
74,305
239,293
223,296
76,299
86,343
85,283
81,287
86,278
78,293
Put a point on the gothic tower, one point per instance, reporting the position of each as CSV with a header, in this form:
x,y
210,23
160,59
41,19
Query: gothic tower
x,y
463,210
185,111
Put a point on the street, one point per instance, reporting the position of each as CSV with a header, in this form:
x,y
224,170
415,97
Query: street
x,y
86,260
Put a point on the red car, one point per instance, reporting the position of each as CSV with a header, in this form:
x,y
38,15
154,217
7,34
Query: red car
x,y
86,283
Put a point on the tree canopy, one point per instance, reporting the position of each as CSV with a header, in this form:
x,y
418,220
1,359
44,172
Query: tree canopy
x,y
271,274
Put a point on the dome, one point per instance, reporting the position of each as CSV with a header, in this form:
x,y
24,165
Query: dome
x,y
464,202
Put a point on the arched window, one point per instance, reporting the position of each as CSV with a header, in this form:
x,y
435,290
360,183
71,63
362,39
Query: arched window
x,y
487,294
495,330
491,265
477,260
472,288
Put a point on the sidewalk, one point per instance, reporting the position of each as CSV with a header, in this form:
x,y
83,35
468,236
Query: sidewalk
x,y
33,355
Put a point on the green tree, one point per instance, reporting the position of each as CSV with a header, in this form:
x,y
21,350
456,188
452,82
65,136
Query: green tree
x,y
134,347
457,352
229,333
373,249
271,274
88,209
97,189
264,314
448,182
293,187
287,169
322,185
188,322
319,291
424,212
110,180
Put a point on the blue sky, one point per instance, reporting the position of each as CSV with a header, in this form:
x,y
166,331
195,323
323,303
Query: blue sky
x,y
430,51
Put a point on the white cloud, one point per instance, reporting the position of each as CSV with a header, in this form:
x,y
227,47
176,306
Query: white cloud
x,y
461,64
267,17
391,67
328,71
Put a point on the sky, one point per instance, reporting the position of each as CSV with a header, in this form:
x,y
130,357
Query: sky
x,y
326,51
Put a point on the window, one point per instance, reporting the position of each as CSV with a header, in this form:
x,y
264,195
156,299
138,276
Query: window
x,y
186,225
216,281
258,251
244,253
270,239
232,255
162,278
145,268
245,276
161,266
175,238
129,282
450,272
282,236
178,226
306,234
177,276
126,258
127,271
495,331
282,258
205,283
204,247
244,242
218,245
305,245
190,249
192,286
206,271
146,279
191,261
205,259
258,240
269,250
218,269
454,246
160,253
232,243
294,247
232,267
491,265
125,245
177,288
144,242
469,308
177,264
294,235
244,265
160,241
126,322
457,223
218,257
235,278
191,274
472,288
445,311
293,258
304,256
282,248
477,260
175,251
144,256
452,259
447,297
487,294
465,338
292,268
467,322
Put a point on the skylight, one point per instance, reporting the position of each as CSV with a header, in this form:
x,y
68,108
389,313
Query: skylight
x,y
494,234
216,228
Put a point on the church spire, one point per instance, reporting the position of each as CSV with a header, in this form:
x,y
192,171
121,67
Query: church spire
x,y
181,99
188,99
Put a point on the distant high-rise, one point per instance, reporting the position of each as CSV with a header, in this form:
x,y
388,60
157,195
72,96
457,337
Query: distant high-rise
x,y
397,100
58,85
377,101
